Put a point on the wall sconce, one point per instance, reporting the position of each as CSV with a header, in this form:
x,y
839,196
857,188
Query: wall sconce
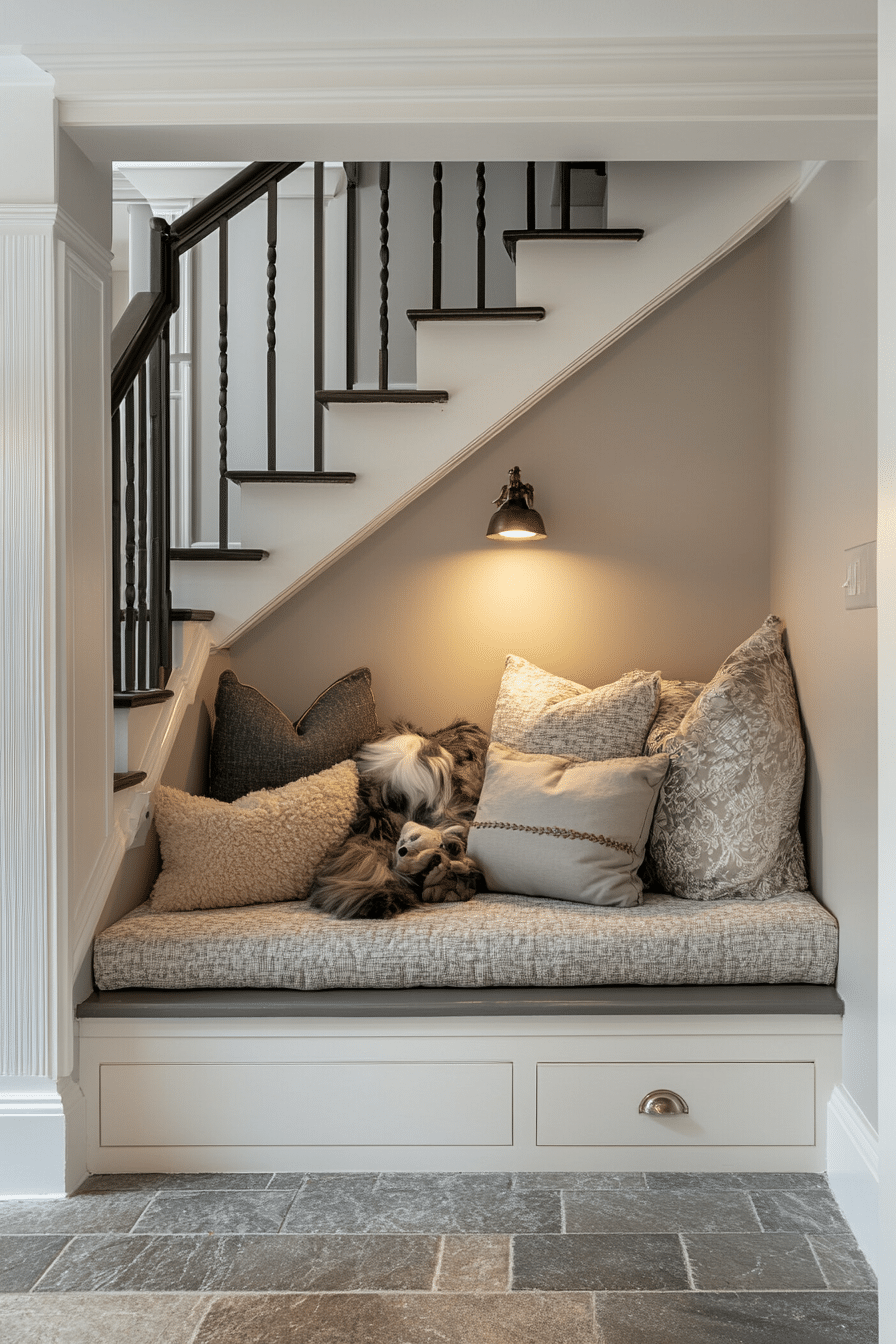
x,y
516,520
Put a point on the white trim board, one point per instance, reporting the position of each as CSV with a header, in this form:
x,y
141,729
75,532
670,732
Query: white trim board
x,y
853,1170
131,807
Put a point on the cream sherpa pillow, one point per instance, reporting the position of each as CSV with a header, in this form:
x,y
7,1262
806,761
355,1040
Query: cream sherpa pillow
x,y
266,846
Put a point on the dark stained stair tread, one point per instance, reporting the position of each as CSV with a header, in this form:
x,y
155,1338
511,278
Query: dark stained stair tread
x,y
416,315
216,553
513,236
136,699
126,779
191,614
294,477
365,396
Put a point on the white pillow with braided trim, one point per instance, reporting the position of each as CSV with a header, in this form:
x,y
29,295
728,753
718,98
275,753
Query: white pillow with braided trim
x,y
563,827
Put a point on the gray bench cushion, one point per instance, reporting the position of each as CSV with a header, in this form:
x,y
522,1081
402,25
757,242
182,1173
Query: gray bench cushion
x,y
494,940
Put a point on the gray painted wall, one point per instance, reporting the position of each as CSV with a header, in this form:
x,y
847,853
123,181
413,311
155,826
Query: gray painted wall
x,y
651,470
824,499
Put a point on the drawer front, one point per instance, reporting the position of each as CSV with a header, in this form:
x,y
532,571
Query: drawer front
x,y
382,1103
766,1104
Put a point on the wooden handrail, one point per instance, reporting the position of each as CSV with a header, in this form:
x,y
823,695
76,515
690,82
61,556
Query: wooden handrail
x,y
241,190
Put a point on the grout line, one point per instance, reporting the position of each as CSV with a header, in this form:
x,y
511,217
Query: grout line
x,y
438,1268
142,1212
753,1207
199,1324
817,1261
287,1211
52,1262
687,1263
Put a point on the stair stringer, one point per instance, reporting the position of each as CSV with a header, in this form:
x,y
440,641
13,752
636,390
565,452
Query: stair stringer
x,y
595,292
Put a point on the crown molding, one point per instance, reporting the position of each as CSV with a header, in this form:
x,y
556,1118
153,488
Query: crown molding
x,y
514,79
463,54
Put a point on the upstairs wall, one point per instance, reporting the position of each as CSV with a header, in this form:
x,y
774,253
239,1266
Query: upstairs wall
x,y
651,471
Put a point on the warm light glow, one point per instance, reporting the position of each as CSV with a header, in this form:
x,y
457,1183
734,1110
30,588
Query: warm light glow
x,y
513,534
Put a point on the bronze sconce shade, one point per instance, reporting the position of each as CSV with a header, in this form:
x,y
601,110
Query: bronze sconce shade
x,y
516,520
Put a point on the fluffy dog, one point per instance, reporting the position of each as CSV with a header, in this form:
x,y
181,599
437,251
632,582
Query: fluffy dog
x,y
418,793
371,879
409,775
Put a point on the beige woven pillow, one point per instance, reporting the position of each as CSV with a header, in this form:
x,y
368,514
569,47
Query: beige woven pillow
x,y
266,846
727,819
539,712
575,830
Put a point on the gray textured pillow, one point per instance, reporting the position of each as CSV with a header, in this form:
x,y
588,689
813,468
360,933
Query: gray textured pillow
x,y
575,830
539,712
254,745
727,818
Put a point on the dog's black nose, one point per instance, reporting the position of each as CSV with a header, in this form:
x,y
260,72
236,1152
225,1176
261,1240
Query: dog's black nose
x,y
403,849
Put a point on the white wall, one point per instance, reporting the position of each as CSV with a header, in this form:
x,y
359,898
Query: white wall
x,y
824,500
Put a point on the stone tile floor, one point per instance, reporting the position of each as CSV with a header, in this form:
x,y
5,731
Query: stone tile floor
x,y
394,1258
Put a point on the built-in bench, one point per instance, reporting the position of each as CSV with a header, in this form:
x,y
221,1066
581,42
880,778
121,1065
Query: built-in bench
x,y
460,1079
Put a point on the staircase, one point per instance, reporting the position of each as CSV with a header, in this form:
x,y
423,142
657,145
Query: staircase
x,y
478,370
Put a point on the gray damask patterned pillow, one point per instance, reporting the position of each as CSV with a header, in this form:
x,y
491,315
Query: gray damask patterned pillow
x,y
539,712
676,698
726,822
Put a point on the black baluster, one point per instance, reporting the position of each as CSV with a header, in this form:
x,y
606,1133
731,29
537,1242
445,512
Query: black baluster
x,y
318,314
116,550
130,547
272,327
142,557
157,508
351,275
480,232
166,650
564,196
437,235
384,277
530,197
223,485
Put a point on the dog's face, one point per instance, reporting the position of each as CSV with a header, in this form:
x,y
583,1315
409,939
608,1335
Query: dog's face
x,y
415,839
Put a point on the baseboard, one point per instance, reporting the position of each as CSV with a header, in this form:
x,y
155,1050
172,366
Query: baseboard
x,y
853,1170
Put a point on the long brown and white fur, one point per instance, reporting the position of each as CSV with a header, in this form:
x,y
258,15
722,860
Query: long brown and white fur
x,y
407,776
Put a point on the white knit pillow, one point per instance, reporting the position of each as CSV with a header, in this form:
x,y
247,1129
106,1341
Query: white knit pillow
x,y
539,712
266,846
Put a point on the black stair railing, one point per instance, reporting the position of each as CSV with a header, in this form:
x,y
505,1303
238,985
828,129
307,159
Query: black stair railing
x,y
141,472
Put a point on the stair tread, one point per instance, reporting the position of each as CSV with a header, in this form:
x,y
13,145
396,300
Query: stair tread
x,y
530,314
126,779
191,614
215,553
368,395
297,477
513,236
136,699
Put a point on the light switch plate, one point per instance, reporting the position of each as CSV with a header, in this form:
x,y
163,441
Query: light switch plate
x,y
860,587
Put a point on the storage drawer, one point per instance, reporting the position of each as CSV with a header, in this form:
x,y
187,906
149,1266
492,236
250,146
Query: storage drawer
x,y
383,1103
766,1104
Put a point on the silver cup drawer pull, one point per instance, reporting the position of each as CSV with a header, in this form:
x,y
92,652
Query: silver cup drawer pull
x,y
663,1103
